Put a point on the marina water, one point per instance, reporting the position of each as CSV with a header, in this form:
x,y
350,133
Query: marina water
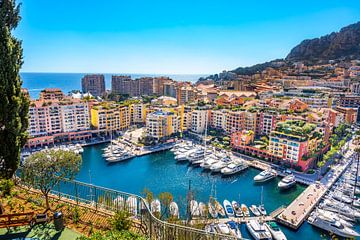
x,y
159,172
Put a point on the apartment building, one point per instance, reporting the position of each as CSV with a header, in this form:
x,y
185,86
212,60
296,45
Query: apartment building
x,y
121,85
218,119
74,116
137,113
235,121
186,94
265,123
162,124
54,120
110,117
199,120
94,84
51,94
287,143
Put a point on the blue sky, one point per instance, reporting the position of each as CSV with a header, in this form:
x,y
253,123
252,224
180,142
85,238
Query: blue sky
x,y
169,36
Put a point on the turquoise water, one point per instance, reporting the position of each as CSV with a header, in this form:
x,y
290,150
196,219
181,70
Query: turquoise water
x,y
35,82
159,173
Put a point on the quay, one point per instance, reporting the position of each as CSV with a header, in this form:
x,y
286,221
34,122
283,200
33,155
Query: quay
x,y
296,213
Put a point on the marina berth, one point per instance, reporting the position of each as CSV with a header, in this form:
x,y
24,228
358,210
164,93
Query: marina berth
x,y
194,208
275,231
203,210
245,210
265,176
174,210
287,182
332,225
237,209
255,210
233,168
228,208
258,230
223,228
155,206
219,209
212,209
234,229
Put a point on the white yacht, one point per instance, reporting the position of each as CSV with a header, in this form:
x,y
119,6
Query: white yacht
x,y
255,210
258,230
155,206
203,210
212,209
222,228
262,210
275,231
210,228
194,208
237,209
265,175
331,215
287,182
131,203
245,210
233,168
174,210
209,161
218,166
332,226
228,208
234,229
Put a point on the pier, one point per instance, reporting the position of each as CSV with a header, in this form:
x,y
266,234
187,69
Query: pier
x,y
296,213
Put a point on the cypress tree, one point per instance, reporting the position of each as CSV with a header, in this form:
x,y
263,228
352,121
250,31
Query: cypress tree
x,y
14,104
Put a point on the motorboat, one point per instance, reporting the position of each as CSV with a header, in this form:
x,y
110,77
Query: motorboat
x,y
119,202
174,210
332,225
331,215
208,162
262,210
275,231
222,228
194,208
237,209
212,209
210,228
131,203
155,206
220,210
287,182
265,176
255,210
217,167
342,197
233,168
228,208
234,229
245,210
258,230
339,208
203,210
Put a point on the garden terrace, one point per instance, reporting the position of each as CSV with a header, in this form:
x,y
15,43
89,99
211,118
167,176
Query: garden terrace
x,y
297,129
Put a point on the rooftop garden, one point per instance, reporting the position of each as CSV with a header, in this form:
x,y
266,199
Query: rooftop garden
x,y
297,128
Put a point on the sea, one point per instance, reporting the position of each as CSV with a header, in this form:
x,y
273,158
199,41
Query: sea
x,y
35,82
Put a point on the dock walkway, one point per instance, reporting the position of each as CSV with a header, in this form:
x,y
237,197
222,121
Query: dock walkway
x,y
296,213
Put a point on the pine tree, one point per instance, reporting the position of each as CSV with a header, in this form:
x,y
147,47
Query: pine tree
x,y
14,104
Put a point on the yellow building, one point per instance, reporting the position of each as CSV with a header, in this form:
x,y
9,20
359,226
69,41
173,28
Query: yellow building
x,y
161,124
110,116
137,113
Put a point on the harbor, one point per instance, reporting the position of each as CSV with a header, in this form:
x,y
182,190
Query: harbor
x,y
141,172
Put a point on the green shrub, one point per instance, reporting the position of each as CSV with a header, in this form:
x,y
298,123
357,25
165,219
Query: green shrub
x,y
6,185
113,235
120,221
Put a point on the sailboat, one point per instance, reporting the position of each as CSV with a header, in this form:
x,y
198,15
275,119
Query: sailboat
x,y
261,208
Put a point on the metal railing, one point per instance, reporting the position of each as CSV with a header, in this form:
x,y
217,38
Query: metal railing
x,y
106,199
